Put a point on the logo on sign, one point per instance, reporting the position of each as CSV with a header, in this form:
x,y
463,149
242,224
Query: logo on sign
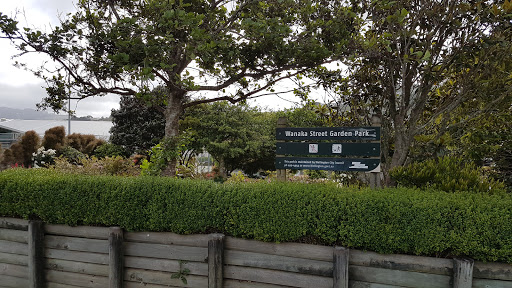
x,y
336,148
313,148
358,165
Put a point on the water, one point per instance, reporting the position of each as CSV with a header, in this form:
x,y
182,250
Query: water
x,y
100,129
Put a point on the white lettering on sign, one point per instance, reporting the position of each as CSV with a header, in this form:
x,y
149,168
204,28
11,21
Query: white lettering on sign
x,y
357,132
364,133
317,133
340,133
296,134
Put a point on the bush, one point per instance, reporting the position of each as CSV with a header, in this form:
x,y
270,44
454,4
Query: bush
x,y
93,166
110,150
450,174
54,138
72,155
84,143
402,220
43,158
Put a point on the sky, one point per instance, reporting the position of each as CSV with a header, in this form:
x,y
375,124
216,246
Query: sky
x,y
21,89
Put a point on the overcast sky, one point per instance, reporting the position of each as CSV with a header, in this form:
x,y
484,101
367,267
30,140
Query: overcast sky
x,y
21,89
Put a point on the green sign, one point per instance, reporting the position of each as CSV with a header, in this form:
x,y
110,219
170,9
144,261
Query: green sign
x,y
336,142
329,133
328,149
332,164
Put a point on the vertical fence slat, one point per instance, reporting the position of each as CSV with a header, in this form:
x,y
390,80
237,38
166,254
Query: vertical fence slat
x,y
36,254
340,269
116,263
215,261
463,273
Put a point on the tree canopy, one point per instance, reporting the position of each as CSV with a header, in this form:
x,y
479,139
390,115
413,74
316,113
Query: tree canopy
x,y
415,64
235,48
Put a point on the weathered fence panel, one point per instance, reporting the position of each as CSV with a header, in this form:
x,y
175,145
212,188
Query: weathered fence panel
x,y
76,257
84,257
152,258
14,270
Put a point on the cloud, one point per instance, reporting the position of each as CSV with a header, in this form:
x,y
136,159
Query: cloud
x,y
27,96
53,7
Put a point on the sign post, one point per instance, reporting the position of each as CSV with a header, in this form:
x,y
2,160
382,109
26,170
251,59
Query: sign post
x,y
327,148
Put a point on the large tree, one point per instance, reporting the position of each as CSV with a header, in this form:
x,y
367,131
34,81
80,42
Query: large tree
x,y
236,48
416,62
136,126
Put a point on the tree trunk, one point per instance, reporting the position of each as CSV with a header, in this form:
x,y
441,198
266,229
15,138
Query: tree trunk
x,y
402,142
172,114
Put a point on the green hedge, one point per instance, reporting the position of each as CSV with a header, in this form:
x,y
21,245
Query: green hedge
x,y
387,221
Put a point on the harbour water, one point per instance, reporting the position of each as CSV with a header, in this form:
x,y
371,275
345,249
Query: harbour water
x,y
100,129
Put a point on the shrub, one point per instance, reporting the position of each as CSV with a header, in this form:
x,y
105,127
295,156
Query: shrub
x,y
448,174
43,158
400,220
54,138
169,149
27,146
93,166
109,150
71,155
84,143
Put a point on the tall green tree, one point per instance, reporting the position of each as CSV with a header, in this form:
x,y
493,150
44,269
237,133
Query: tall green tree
x,y
415,63
236,48
136,126
237,136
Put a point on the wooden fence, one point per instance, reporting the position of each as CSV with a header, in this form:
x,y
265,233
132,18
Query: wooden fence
x,y
55,256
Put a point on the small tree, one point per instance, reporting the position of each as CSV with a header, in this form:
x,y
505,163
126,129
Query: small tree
x,y
7,159
54,138
21,152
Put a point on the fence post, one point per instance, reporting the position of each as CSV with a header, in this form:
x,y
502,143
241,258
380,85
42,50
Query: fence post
x,y
36,254
116,257
463,273
340,269
282,122
215,261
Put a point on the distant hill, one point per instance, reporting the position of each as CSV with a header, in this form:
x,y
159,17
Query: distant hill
x,y
29,114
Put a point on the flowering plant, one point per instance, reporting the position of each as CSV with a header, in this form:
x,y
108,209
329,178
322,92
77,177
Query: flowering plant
x,y
43,158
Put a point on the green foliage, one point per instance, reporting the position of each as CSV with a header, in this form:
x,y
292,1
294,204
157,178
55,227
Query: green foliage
x,y
109,150
164,152
116,165
450,174
400,220
237,136
316,174
137,126
182,273
241,48
43,158
71,154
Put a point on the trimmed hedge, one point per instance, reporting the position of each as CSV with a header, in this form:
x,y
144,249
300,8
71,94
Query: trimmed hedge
x,y
408,221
